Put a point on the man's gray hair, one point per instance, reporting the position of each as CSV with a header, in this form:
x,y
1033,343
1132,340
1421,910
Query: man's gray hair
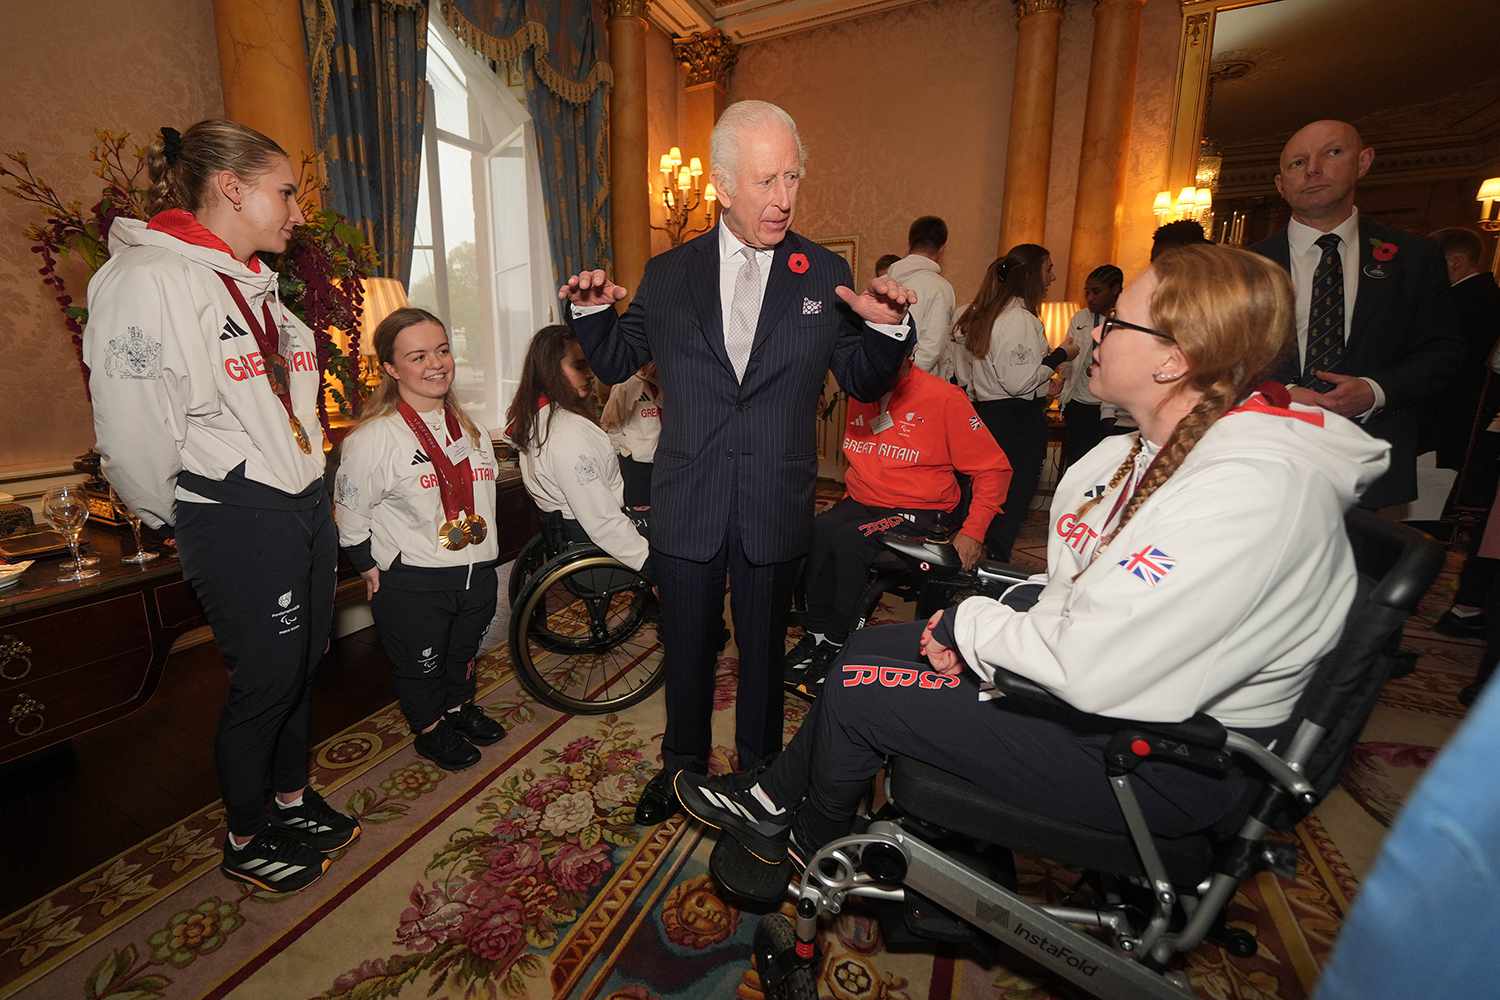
x,y
724,144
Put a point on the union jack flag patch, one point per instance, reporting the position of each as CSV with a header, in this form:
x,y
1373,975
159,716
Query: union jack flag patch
x,y
975,423
1150,564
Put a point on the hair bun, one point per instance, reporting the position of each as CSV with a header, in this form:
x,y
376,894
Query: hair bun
x,y
171,143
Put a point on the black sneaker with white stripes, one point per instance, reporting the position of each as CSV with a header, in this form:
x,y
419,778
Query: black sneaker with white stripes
x,y
316,823
725,804
807,663
275,860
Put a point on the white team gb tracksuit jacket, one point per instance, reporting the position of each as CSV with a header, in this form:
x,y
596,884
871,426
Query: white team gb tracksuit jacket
x,y
1221,593
177,380
386,492
575,471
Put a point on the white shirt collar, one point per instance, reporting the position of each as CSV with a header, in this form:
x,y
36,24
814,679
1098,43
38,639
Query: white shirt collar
x,y
1466,277
730,244
1301,237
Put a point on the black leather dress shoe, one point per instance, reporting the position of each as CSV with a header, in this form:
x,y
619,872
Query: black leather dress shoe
x,y
658,802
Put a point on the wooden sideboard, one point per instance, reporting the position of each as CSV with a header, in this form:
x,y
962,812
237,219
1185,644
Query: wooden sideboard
x,y
77,656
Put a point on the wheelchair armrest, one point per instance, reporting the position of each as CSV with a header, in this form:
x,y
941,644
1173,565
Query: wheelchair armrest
x,y
990,571
1199,742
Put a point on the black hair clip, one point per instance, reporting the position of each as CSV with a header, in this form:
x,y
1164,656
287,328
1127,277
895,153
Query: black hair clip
x,y
171,143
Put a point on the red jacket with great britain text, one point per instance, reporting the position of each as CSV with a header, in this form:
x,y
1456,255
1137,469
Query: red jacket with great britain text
x,y
910,464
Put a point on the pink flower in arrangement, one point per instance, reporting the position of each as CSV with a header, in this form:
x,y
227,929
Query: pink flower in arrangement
x,y
577,869
545,790
510,861
494,929
617,761
431,919
573,752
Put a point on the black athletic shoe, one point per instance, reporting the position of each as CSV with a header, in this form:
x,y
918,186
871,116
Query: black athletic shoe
x,y
275,860
476,727
446,748
807,664
1462,627
316,823
657,803
718,803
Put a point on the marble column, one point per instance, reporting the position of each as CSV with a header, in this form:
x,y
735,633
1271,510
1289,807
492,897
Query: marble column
x,y
1028,155
263,65
707,58
630,205
1099,206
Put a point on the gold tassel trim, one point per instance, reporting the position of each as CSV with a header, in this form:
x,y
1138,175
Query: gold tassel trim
x,y
531,35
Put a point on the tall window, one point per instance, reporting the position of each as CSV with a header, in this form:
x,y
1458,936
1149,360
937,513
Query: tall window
x,y
480,259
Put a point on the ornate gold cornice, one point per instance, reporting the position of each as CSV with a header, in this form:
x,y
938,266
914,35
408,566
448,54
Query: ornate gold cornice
x,y
1026,8
627,8
708,57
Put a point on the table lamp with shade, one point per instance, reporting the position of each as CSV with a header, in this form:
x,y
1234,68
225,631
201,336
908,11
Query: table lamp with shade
x,y
383,296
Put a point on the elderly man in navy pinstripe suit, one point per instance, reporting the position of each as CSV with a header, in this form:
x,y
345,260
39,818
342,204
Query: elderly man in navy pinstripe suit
x,y
743,323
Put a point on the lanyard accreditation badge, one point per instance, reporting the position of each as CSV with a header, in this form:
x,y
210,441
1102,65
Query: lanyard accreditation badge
x,y
463,526
277,373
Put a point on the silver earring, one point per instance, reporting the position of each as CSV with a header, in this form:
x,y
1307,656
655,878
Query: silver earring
x,y
237,206
1162,377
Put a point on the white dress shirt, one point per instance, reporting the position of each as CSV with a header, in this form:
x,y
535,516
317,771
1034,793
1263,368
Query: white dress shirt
x,y
1304,252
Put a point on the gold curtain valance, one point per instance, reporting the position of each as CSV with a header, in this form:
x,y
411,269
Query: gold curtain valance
x,y
531,35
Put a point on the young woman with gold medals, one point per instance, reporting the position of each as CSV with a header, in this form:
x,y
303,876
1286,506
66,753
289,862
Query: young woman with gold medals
x,y
205,411
414,497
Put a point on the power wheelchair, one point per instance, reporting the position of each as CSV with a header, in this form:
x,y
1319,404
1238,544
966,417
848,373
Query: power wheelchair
x,y
929,853
582,624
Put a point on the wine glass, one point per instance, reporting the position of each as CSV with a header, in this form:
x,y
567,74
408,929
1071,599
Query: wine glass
x,y
141,556
67,509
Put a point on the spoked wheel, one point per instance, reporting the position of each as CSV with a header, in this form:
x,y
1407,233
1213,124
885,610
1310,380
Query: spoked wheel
x,y
580,638
783,975
527,562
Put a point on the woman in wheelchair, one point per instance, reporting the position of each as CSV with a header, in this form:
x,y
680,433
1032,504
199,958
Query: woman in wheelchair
x,y
1200,565
567,461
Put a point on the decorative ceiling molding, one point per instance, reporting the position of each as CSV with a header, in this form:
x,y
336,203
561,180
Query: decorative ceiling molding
x,y
745,21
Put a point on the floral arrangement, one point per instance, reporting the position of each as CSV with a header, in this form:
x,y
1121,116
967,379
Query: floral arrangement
x,y
321,270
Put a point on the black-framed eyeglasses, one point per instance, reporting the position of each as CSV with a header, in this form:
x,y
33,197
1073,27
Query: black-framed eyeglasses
x,y
1112,322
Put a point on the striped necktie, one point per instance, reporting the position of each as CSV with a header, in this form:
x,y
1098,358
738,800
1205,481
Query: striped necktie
x,y
1325,316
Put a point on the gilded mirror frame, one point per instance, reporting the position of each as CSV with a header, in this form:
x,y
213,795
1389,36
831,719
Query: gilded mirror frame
x,y
1194,58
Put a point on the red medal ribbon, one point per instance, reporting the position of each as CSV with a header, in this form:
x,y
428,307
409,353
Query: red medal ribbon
x,y
266,338
455,482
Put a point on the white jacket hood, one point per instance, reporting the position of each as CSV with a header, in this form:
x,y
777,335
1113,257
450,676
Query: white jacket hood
x,y
125,233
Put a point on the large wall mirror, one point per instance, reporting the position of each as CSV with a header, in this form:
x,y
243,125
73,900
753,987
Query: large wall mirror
x,y
1420,79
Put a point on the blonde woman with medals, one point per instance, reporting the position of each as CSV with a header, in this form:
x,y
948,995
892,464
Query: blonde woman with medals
x,y
205,395
415,498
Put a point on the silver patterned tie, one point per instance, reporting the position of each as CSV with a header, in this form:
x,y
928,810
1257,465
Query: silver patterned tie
x,y
744,311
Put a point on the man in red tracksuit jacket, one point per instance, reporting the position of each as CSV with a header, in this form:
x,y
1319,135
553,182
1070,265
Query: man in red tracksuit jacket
x,y
902,454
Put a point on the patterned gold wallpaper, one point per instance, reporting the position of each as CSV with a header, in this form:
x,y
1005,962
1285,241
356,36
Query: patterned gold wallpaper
x,y
905,113
68,67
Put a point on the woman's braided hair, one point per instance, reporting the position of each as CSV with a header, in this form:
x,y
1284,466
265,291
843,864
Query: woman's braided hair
x,y
1231,313
181,164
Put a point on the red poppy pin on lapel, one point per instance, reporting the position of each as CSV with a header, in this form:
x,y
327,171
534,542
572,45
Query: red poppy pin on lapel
x,y
1383,252
798,263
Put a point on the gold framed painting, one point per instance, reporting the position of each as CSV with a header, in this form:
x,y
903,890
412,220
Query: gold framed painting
x,y
846,247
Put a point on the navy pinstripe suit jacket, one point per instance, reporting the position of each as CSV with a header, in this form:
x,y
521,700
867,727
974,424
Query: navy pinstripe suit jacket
x,y
720,438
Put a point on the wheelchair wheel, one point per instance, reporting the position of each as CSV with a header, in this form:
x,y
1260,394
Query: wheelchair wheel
x,y
531,556
782,975
579,636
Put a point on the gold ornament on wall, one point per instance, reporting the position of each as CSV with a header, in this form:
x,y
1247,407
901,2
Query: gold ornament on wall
x,y
708,56
1026,8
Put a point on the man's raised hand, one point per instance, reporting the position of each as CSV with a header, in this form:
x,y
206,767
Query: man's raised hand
x,y
591,288
885,301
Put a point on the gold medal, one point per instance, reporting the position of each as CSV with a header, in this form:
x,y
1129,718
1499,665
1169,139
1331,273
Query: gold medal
x,y
278,374
452,535
299,435
476,529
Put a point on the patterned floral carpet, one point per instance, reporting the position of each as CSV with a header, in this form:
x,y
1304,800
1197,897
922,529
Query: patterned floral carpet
x,y
524,877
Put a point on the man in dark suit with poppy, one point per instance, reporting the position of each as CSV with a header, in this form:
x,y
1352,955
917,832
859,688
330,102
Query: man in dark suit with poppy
x,y
744,324
1376,340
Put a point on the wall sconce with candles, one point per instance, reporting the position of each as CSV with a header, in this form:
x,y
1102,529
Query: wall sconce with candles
x,y
682,195
1489,193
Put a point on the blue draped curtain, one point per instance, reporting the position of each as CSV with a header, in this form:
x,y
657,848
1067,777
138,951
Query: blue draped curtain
x,y
561,50
368,62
